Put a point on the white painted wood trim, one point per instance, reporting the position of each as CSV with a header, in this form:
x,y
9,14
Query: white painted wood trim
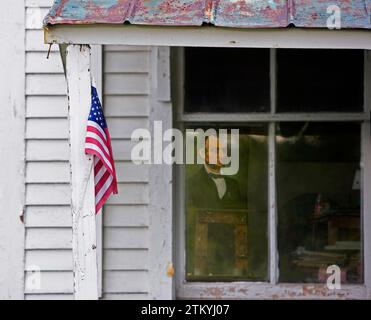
x,y
177,82
272,193
273,79
163,75
278,117
97,73
161,285
367,82
82,175
272,205
266,291
12,150
209,37
366,174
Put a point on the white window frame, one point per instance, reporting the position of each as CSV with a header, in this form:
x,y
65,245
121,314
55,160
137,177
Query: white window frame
x,y
272,289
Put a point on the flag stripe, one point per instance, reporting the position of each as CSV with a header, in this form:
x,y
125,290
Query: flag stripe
x,y
91,146
97,132
102,181
99,174
98,144
103,189
96,126
95,136
97,164
97,155
109,191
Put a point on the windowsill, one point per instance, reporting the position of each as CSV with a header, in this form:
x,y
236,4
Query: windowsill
x,y
266,291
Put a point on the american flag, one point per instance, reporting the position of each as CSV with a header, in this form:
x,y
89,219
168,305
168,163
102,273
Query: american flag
x,y
98,144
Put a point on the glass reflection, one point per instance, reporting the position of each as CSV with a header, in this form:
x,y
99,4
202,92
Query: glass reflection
x,y
318,188
226,216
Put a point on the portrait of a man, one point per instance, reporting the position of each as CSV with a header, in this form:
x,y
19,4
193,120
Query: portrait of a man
x,y
218,196
210,189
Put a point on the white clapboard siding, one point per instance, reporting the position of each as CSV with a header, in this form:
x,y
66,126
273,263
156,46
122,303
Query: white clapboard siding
x,y
125,217
59,194
50,282
35,42
47,215
59,172
132,281
128,83
39,3
126,106
48,150
45,84
49,260
49,296
46,129
48,194
126,238
129,172
35,16
126,62
131,193
123,127
37,62
48,238
48,172
122,149
126,258
129,296
46,107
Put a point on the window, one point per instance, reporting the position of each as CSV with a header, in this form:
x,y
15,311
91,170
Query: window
x,y
216,80
295,205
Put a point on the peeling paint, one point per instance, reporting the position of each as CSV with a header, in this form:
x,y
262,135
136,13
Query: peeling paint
x,y
270,291
223,13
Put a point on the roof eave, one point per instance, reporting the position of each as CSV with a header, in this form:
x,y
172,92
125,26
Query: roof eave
x,y
210,36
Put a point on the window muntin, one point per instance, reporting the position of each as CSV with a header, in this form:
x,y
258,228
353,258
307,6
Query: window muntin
x,y
296,115
226,80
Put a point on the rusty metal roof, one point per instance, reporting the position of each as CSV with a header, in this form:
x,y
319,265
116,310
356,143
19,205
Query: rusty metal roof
x,y
224,13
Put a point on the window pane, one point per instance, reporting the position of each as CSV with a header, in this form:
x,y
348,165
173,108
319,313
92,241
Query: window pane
x,y
226,216
320,80
226,80
319,201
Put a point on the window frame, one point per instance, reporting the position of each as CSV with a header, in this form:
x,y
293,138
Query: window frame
x,y
271,289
